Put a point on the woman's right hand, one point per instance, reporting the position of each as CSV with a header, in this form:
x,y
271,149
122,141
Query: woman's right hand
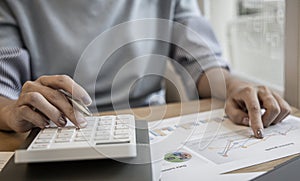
x,y
41,101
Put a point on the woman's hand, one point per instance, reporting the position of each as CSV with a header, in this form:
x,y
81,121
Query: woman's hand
x,y
245,102
40,101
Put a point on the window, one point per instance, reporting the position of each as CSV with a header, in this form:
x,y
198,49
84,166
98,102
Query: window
x,y
251,33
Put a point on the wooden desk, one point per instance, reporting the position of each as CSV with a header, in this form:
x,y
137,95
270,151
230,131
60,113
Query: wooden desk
x,y
11,141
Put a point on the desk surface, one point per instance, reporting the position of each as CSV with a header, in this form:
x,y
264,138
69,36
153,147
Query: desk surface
x,y
11,141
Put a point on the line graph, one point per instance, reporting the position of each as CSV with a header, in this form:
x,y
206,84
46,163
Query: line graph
x,y
230,146
248,142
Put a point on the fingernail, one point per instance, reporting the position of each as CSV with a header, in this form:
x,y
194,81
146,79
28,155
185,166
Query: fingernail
x,y
62,121
260,133
43,126
46,124
245,121
82,122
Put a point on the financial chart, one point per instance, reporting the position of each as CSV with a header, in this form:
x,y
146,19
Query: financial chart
x,y
231,146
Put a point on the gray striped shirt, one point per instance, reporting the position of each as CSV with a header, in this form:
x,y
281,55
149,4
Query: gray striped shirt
x,y
116,50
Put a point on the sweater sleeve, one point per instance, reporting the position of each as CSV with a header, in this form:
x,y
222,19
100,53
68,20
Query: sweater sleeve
x,y
199,49
14,59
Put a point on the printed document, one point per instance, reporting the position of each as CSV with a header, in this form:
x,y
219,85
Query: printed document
x,y
209,141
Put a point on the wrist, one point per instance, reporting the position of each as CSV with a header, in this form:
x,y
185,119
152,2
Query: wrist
x,y
7,113
234,84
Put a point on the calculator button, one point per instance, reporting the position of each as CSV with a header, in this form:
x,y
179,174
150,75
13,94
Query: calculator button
x,y
85,130
45,136
101,138
80,139
101,133
39,146
79,134
103,127
122,121
108,118
42,141
121,131
84,135
64,135
104,122
62,140
122,136
51,130
122,126
67,129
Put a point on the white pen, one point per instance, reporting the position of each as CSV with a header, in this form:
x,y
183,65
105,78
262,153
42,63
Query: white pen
x,y
76,103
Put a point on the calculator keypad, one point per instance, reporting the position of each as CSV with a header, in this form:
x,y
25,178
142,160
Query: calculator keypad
x,y
100,130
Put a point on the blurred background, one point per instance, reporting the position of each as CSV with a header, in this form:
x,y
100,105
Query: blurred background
x,y
261,41
251,33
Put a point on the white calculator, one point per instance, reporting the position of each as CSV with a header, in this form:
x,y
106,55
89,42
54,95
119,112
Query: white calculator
x,y
104,137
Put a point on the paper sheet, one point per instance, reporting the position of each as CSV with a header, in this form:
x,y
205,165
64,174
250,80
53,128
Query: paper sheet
x,y
215,143
193,168
4,157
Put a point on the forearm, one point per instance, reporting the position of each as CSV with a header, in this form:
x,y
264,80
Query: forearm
x,y
213,83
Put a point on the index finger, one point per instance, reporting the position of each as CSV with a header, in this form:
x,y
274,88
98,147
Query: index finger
x,y
66,83
254,112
